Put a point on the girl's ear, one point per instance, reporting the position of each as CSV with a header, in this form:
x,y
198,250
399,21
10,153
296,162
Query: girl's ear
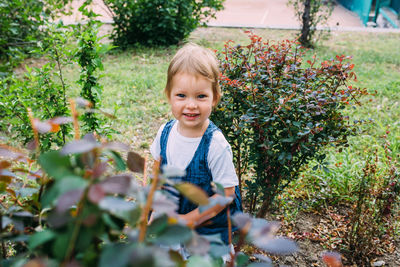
x,y
215,103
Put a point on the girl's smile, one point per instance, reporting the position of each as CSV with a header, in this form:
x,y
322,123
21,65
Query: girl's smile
x,y
191,101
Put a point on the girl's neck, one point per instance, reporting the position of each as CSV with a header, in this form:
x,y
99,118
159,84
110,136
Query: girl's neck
x,y
193,132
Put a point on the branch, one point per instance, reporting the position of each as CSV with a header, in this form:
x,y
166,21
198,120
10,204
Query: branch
x,y
143,222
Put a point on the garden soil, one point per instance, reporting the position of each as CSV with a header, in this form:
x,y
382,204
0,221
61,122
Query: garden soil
x,y
311,230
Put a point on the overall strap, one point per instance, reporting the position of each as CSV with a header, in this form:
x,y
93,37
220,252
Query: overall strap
x,y
199,163
164,140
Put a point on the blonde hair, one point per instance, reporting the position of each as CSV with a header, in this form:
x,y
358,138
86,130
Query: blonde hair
x,y
196,60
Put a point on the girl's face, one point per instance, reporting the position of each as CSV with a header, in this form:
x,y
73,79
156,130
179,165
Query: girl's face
x,y
191,99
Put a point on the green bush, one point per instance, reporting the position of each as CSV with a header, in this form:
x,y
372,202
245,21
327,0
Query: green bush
x,y
158,22
19,30
278,112
43,89
21,27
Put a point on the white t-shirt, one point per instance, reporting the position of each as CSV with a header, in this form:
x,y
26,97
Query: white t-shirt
x,y
181,149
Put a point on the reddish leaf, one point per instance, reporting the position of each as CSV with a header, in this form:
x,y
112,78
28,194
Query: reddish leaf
x,y
116,146
35,263
68,199
96,193
31,145
81,102
5,179
34,175
8,152
61,120
54,127
99,169
4,164
79,146
90,220
42,126
135,162
118,184
332,259
6,173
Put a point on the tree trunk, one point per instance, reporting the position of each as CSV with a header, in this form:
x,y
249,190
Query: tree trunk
x,y
306,24
264,207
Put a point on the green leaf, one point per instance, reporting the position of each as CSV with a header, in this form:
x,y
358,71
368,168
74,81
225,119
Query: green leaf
x,y
56,165
109,221
241,259
219,250
40,238
174,234
126,210
108,256
61,244
119,162
199,261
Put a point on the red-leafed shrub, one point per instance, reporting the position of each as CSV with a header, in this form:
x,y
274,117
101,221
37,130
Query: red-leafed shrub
x,y
278,110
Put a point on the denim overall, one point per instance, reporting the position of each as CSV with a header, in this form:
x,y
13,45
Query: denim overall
x,y
198,173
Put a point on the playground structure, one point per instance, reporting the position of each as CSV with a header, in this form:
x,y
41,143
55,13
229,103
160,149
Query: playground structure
x,y
375,10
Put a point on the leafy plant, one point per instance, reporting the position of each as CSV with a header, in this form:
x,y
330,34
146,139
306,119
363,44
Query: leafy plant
x,y
43,89
371,218
157,22
88,56
79,213
311,13
284,110
22,26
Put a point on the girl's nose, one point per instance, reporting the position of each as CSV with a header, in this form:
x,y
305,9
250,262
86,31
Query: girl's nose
x,y
191,104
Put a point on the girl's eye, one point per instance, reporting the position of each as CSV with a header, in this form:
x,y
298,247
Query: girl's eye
x,y
180,95
202,96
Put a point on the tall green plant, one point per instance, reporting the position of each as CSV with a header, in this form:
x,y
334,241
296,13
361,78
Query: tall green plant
x,y
88,56
311,13
283,110
158,22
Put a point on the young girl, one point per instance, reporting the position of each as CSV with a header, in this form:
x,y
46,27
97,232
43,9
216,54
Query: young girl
x,y
191,141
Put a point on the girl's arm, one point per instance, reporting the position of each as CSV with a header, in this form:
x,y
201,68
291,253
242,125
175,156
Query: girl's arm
x,y
195,217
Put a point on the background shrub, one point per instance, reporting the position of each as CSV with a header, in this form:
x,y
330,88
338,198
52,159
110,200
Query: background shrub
x,y
371,227
158,22
21,27
45,90
287,108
